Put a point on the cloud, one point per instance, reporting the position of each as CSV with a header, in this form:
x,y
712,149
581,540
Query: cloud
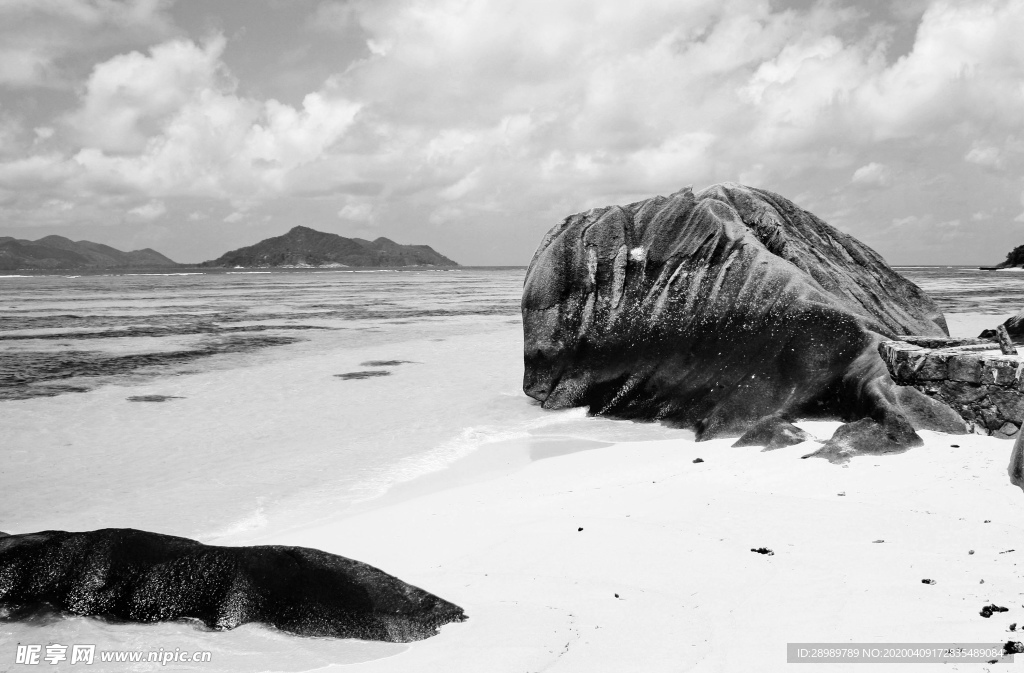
x,y
985,155
481,114
149,211
234,217
38,35
169,123
873,174
357,211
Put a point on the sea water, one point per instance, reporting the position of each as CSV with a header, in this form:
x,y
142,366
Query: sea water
x,y
228,407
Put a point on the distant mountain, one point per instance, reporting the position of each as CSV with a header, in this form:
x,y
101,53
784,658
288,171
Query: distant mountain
x,y
303,246
57,252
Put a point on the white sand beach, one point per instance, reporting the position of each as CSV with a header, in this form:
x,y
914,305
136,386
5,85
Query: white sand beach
x,y
660,578
673,538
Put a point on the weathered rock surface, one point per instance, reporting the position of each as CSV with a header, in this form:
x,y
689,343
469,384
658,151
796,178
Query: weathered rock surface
x,y
133,575
773,432
1016,467
716,309
970,376
1014,326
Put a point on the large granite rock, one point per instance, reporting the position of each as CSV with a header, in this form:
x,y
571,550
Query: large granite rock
x,y
133,575
716,309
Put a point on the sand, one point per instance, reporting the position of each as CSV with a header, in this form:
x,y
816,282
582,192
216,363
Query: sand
x,y
662,577
673,539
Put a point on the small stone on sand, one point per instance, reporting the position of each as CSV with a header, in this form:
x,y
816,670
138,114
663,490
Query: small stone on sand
x,y
989,610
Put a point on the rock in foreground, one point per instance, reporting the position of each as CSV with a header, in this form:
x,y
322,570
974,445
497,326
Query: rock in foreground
x,y
714,310
132,575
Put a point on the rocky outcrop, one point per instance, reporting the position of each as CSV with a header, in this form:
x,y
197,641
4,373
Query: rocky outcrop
x,y
132,575
713,310
305,247
970,376
1014,327
773,432
57,252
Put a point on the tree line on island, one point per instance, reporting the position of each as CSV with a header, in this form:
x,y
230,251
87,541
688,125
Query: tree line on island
x,y
301,247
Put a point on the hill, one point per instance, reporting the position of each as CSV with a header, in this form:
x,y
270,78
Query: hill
x,y
1013,258
303,246
57,252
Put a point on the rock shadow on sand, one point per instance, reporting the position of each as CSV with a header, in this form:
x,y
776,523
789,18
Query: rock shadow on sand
x,y
368,374
154,398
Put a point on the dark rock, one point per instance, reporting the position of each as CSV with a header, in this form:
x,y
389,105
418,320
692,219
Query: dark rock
x,y
1013,646
878,541
302,246
384,363
763,550
773,432
1014,328
1016,467
369,374
137,576
714,310
698,460
927,581
580,529
867,436
989,610
1013,626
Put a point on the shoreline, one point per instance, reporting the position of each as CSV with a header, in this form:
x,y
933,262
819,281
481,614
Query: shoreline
x,y
673,538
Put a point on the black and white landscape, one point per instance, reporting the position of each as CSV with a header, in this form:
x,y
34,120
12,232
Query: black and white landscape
x,y
476,336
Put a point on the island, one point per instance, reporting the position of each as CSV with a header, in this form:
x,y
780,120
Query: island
x,y
57,252
1014,260
303,247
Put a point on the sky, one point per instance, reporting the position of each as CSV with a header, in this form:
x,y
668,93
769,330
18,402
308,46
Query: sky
x,y
198,126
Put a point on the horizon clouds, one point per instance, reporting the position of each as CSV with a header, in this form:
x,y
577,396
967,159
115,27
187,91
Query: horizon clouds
x,y
475,125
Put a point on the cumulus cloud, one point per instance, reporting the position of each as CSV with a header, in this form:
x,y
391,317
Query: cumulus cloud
x,y
985,155
873,174
149,211
481,113
170,123
38,34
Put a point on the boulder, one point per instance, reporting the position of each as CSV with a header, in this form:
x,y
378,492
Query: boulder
x,y
712,310
1014,327
138,576
773,432
1016,467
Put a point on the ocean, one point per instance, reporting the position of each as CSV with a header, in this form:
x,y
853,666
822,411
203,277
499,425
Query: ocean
x,y
232,406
